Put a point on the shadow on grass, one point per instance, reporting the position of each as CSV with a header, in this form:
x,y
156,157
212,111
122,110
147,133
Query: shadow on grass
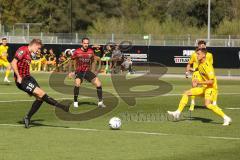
x,y
199,107
87,103
37,123
6,84
203,120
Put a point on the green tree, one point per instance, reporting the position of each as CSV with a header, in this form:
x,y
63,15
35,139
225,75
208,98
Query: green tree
x,y
195,12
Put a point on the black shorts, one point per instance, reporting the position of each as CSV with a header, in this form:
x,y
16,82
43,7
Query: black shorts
x,y
28,84
88,75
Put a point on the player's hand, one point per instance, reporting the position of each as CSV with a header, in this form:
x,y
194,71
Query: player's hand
x,y
187,74
195,83
19,80
192,70
71,75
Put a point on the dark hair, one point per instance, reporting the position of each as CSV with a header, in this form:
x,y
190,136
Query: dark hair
x,y
85,38
36,41
204,50
201,42
4,38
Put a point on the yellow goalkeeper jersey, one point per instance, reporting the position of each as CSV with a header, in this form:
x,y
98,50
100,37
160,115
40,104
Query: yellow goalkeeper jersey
x,y
194,61
206,71
3,52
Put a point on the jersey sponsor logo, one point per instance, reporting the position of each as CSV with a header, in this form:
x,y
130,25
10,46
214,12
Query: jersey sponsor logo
x,y
27,61
20,53
84,59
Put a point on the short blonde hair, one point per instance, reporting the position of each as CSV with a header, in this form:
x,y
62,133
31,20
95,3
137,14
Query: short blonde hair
x,y
36,41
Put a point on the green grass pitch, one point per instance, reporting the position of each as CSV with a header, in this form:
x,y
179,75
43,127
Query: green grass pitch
x,y
146,134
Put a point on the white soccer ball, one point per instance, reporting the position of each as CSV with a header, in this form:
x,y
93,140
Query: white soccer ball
x,y
115,123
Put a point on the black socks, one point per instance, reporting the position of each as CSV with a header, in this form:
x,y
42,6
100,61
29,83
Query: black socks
x,y
99,93
76,93
49,100
53,102
35,106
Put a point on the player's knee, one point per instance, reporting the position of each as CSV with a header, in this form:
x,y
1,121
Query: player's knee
x,y
96,82
8,67
38,92
77,82
99,84
39,99
207,103
187,93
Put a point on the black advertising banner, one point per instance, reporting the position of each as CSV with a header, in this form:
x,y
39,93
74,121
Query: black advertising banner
x,y
224,57
172,56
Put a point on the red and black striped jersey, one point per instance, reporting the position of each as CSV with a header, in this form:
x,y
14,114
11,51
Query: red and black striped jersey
x,y
83,59
23,56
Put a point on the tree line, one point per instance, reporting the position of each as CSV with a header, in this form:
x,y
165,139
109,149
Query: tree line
x,y
123,16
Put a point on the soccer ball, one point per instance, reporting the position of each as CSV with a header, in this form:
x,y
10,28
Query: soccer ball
x,y
115,123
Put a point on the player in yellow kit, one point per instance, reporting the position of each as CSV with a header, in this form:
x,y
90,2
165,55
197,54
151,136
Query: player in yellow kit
x,y
3,59
191,67
206,87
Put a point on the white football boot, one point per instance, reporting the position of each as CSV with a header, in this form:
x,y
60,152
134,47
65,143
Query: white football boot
x,y
6,80
101,104
175,114
226,121
75,104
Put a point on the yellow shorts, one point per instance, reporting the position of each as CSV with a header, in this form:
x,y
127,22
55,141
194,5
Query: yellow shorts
x,y
211,94
4,63
196,76
197,91
208,93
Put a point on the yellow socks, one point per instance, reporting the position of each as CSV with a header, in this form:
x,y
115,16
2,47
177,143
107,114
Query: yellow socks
x,y
192,103
183,103
7,73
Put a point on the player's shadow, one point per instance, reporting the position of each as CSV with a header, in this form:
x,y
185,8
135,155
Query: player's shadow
x,y
200,107
203,120
87,103
36,123
5,84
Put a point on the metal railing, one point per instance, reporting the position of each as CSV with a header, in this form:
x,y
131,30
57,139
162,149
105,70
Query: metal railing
x,y
136,39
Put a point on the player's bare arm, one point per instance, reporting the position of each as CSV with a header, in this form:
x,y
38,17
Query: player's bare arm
x,y
15,69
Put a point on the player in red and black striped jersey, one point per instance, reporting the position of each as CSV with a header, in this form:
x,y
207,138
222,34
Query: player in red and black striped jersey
x,y
83,58
24,81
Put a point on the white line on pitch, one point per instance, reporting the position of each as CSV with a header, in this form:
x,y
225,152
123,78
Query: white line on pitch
x,y
128,132
226,138
167,95
233,108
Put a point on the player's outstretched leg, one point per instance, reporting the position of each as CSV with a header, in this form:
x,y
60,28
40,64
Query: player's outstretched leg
x,y
40,97
182,104
226,119
39,93
96,82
